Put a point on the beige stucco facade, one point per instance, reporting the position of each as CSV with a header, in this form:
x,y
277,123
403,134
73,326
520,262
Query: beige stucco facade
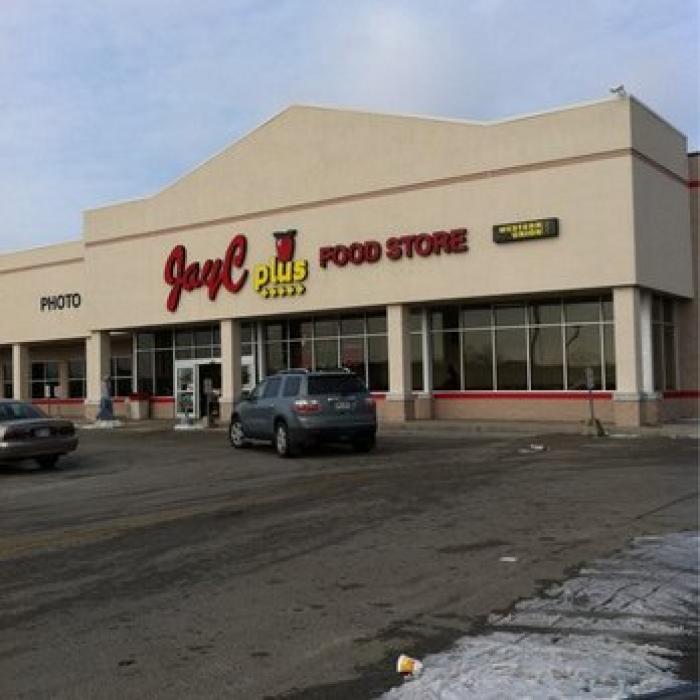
x,y
615,176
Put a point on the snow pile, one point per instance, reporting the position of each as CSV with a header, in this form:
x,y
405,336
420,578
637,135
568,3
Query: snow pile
x,y
615,630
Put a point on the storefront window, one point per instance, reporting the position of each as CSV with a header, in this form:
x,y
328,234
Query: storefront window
x,y
156,352
276,357
163,366
7,380
529,351
76,379
43,379
121,375
477,350
326,353
580,311
300,328
378,363
507,315
477,317
663,344
352,325
444,318
446,361
546,357
416,320
352,354
511,356
300,353
609,350
376,323
248,339
416,361
545,313
144,371
582,352
325,327
670,357
325,342
275,330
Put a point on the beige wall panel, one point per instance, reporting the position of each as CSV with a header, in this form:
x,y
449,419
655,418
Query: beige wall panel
x,y
594,249
307,154
521,410
163,411
44,255
21,319
656,138
677,408
662,226
57,353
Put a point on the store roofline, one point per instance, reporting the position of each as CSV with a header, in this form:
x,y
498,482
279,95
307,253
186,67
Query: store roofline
x,y
396,115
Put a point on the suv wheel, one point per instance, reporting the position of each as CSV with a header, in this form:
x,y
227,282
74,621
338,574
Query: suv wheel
x,y
236,435
283,442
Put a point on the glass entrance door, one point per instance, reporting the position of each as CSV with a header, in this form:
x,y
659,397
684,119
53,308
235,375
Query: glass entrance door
x,y
185,389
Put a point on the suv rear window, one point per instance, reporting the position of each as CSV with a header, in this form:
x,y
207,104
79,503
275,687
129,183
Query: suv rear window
x,y
272,388
291,386
336,384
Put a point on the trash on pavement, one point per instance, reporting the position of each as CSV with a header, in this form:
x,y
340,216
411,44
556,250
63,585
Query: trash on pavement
x,y
407,666
532,447
509,559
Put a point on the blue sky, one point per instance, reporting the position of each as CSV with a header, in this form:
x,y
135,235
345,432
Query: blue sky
x,y
104,100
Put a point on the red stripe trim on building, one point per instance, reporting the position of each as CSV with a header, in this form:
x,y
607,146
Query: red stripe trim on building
x,y
693,184
524,395
377,395
682,394
162,399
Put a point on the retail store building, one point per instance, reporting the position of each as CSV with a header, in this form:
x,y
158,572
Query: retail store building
x,y
482,271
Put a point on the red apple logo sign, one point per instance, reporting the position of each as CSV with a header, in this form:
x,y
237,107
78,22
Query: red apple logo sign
x,y
281,276
284,243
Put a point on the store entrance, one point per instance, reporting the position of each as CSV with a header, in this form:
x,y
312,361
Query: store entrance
x,y
194,381
208,384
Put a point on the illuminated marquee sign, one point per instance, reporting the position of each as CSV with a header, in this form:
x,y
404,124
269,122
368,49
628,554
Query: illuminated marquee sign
x,y
525,230
228,272
281,276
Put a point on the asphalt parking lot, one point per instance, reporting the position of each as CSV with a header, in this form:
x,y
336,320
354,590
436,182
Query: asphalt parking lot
x,y
166,565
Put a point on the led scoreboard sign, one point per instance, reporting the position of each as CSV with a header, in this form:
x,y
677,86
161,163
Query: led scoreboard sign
x,y
525,230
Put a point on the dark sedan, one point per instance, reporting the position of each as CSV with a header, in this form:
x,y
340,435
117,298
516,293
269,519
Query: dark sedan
x,y
28,433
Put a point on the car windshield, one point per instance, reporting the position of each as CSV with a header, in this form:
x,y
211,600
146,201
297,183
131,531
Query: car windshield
x,y
15,410
336,384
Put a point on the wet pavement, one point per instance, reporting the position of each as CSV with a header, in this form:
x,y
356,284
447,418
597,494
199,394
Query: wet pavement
x,y
167,565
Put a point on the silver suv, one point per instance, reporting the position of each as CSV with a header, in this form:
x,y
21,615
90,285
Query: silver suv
x,y
297,408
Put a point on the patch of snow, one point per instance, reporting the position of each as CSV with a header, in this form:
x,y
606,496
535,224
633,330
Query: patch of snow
x,y
611,632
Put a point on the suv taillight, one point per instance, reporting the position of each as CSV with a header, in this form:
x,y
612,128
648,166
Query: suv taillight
x,y
305,406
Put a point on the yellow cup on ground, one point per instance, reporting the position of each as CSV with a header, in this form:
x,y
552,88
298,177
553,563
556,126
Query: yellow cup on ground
x,y
408,666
